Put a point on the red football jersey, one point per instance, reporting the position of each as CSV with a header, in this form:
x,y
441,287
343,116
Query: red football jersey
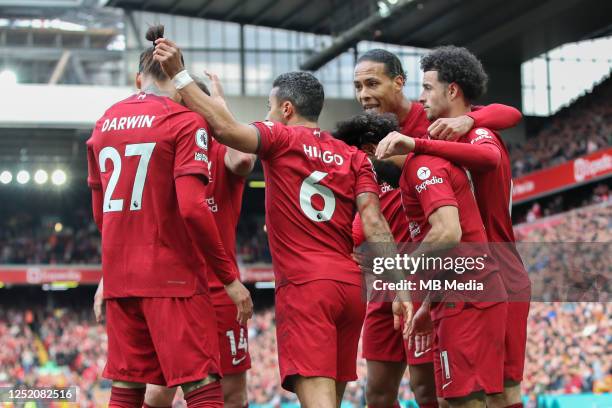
x,y
391,208
224,197
428,183
494,197
312,180
415,123
136,151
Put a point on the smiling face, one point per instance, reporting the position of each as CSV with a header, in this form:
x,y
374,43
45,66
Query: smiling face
x,y
374,89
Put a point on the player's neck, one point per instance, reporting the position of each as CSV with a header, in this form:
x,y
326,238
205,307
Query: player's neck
x,y
403,110
156,89
458,109
302,122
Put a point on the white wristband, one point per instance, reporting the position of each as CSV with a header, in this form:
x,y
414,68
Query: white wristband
x,y
182,79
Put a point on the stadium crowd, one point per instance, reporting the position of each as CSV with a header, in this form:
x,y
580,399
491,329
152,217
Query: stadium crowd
x,y
26,241
582,128
567,342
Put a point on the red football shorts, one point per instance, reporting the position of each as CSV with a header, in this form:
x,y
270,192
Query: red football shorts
x,y
165,341
381,342
469,351
516,340
318,325
233,341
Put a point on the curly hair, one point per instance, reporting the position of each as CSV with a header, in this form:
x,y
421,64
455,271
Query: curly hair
x,y
367,127
303,90
458,65
393,65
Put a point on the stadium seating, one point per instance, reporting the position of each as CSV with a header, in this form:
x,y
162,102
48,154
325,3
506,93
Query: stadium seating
x,y
583,127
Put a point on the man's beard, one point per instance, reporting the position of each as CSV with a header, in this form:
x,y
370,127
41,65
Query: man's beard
x,y
387,172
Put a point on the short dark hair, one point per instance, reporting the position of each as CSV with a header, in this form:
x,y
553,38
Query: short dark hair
x,y
303,90
458,65
393,65
147,64
367,127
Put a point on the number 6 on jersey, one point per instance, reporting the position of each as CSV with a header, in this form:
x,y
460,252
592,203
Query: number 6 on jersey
x,y
310,187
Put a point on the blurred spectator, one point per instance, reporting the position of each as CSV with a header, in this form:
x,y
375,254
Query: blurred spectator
x,y
583,127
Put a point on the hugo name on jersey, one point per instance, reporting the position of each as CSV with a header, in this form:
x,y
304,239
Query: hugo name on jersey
x,y
312,180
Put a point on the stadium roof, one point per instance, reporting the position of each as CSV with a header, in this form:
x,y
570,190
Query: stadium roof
x,y
498,30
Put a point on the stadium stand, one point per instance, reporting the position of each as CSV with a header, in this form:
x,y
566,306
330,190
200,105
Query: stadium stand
x,y
583,127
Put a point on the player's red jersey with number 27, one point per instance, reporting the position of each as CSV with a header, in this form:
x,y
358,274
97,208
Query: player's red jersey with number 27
x,y
142,141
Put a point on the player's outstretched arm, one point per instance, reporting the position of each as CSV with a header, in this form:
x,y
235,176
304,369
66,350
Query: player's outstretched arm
x,y
394,144
227,129
495,116
376,231
476,157
200,223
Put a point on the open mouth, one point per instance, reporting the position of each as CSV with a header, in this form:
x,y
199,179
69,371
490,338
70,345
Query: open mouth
x,y
370,107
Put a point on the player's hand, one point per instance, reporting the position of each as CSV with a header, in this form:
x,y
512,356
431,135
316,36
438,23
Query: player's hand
x,y
216,89
241,297
169,56
394,144
98,306
420,330
450,128
402,310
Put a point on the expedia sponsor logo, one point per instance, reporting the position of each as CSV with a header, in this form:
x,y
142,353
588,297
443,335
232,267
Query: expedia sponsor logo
x,y
423,186
482,134
423,173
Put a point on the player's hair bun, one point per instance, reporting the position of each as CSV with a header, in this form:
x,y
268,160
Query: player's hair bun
x,y
154,32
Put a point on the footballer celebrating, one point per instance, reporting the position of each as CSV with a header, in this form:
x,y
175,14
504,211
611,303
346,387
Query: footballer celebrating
x,y
228,169
483,153
148,169
379,79
314,185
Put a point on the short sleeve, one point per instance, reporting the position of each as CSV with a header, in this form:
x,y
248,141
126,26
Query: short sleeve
x,y
93,170
366,178
273,138
431,179
191,146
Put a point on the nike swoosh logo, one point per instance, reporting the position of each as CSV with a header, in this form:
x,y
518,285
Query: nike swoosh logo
x,y
238,361
446,385
417,355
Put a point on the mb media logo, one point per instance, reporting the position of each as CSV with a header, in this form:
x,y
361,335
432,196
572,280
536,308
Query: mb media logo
x,y
423,173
